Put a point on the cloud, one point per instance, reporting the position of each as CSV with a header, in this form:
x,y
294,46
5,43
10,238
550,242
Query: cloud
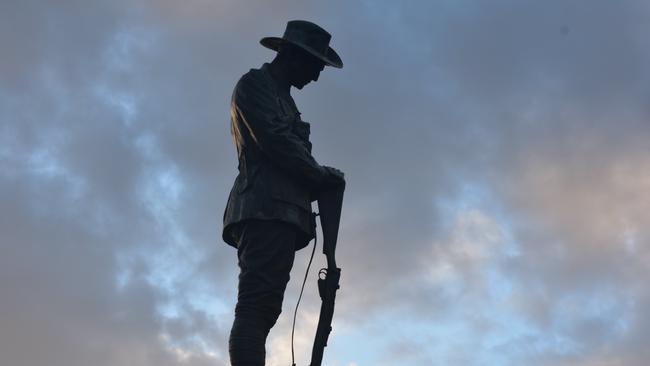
x,y
495,158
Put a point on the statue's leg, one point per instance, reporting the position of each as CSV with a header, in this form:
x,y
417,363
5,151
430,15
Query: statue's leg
x,y
266,251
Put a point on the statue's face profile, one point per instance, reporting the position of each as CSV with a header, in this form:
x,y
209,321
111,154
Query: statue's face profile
x,y
305,68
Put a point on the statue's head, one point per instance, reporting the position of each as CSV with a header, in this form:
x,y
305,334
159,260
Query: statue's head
x,y
305,49
302,66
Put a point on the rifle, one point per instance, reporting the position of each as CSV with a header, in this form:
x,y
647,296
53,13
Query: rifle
x,y
330,203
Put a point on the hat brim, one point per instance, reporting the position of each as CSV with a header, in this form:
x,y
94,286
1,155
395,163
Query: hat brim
x,y
331,59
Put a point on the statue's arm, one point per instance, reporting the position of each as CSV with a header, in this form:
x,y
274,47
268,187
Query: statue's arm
x,y
254,106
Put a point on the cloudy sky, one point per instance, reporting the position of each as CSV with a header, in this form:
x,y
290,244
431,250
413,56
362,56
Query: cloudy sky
x,y
496,155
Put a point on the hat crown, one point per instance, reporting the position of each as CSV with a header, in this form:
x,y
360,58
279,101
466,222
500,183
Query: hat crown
x,y
308,34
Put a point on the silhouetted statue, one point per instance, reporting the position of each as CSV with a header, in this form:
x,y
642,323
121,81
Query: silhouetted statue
x,y
268,215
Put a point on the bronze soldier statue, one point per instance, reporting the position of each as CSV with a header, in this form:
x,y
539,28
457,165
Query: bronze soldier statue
x,y
268,215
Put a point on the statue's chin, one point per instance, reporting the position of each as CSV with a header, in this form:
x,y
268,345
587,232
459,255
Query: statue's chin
x,y
300,86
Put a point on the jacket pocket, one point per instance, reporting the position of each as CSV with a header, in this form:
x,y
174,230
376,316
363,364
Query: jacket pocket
x,y
286,189
303,204
246,178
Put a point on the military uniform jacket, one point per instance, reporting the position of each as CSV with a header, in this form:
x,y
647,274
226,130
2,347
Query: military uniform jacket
x,y
277,174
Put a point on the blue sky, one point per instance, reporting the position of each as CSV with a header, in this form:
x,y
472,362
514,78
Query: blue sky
x,y
497,176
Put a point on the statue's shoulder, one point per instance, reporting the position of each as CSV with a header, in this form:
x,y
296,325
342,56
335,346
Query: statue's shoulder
x,y
256,78
253,75
255,82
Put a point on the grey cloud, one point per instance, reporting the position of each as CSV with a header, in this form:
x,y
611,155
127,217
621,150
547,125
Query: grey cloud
x,y
115,152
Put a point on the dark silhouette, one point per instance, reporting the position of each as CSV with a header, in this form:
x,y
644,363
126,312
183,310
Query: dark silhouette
x,y
268,215
330,202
